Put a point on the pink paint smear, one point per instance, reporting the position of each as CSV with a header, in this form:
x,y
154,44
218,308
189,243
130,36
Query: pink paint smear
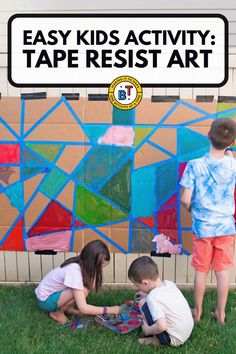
x,y
118,135
59,241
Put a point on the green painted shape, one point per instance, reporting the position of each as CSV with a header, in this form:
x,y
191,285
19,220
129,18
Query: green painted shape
x,y
225,105
48,151
140,134
53,182
118,188
93,209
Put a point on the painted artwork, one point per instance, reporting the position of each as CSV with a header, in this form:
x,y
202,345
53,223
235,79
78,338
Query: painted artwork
x,y
74,171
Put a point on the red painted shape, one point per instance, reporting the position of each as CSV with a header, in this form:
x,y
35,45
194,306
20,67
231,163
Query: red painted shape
x,y
78,223
148,221
9,153
14,241
167,223
182,168
170,202
55,218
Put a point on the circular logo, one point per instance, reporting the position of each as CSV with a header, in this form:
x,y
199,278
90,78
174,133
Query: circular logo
x,y
125,92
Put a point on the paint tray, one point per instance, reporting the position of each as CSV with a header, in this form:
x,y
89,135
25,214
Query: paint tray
x,y
77,324
119,323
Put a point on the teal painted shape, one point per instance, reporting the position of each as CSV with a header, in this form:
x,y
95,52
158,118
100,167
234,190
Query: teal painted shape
x,y
99,164
226,114
124,117
141,238
166,180
191,145
53,183
143,192
15,195
94,132
29,171
30,159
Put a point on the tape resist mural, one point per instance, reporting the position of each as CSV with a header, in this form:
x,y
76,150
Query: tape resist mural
x,y
73,171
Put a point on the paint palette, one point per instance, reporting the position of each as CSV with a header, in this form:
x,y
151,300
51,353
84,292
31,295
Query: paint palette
x,y
120,323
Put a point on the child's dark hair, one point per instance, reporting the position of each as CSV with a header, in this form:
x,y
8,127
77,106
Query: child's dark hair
x,y
222,133
143,268
91,260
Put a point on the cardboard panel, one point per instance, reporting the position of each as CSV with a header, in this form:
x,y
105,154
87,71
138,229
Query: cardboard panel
x,y
10,108
8,213
58,132
185,216
37,206
166,138
187,240
113,185
148,155
97,112
71,157
78,243
148,112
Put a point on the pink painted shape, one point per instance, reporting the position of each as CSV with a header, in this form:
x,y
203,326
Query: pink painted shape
x,y
9,153
118,135
182,168
59,241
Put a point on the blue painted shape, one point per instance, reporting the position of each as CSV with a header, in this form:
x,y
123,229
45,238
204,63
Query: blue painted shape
x,y
15,195
166,180
124,117
99,165
191,145
143,192
94,132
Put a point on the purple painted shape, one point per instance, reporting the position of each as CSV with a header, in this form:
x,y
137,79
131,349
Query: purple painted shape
x,y
5,173
118,135
58,241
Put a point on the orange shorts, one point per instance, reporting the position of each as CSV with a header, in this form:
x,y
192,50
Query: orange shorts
x,y
215,251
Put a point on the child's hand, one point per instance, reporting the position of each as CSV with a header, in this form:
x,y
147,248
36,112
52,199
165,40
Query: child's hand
x,y
116,310
140,295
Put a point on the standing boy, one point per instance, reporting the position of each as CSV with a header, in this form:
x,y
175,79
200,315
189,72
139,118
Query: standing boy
x,y
166,314
208,194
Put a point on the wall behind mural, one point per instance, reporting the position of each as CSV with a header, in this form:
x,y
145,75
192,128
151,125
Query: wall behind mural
x,y
74,171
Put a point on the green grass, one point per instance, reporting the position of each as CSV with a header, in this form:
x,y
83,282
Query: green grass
x,y
26,329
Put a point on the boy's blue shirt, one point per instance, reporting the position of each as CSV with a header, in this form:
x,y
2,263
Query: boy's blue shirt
x,y
212,206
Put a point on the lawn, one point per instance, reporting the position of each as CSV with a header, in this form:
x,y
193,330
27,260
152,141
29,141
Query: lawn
x,y
25,329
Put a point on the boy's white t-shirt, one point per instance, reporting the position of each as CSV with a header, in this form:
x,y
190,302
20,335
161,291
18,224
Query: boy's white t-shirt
x,y
59,279
168,302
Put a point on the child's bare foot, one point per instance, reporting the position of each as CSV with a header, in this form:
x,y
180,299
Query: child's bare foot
x,y
149,340
218,318
196,315
59,317
71,310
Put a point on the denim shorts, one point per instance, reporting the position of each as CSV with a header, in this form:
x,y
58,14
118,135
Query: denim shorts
x,y
50,304
163,337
